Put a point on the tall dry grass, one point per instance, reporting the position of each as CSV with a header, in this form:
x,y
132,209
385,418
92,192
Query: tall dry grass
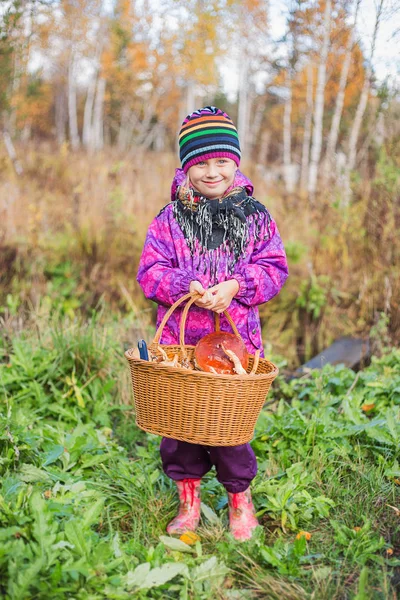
x,y
92,212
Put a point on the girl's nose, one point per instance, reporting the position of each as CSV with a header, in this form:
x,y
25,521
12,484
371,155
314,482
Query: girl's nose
x,y
212,171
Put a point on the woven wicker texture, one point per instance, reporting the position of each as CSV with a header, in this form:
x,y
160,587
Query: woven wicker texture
x,y
194,406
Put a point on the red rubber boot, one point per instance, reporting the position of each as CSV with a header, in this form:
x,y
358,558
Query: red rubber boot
x,y
242,518
188,516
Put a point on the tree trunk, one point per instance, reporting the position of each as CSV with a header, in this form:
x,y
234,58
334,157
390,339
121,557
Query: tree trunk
x,y
255,129
334,131
87,132
60,115
264,147
362,104
125,129
243,101
159,141
305,156
319,105
190,97
11,153
98,133
287,135
73,120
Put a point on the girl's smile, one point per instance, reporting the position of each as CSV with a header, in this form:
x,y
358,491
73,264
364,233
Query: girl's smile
x,y
211,183
212,177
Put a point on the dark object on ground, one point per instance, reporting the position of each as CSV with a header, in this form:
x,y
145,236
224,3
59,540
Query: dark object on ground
x,y
351,352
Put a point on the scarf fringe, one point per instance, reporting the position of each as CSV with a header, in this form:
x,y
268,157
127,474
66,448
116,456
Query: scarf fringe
x,y
240,217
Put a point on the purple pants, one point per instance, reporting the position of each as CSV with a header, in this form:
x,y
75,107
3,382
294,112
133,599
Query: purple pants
x,y
236,465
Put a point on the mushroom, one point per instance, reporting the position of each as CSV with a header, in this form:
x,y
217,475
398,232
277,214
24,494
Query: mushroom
x,y
214,371
186,364
166,361
238,367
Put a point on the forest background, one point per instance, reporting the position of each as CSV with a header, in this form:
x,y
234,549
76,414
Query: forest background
x,y
92,96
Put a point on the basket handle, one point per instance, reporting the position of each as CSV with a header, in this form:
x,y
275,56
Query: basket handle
x,y
166,317
217,323
256,361
192,297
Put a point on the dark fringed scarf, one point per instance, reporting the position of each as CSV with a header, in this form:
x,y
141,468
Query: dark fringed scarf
x,y
215,227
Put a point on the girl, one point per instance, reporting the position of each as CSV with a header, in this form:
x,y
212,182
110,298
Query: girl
x,y
216,239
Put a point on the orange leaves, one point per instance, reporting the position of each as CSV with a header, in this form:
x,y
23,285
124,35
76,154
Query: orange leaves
x,y
189,538
367,407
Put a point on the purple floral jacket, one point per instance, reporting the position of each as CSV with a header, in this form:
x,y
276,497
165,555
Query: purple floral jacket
x,y
167,267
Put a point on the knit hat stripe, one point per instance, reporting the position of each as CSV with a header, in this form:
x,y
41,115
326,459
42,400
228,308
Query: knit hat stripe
x,y
208,132
206,125
205,121
204,132
215,148
202,142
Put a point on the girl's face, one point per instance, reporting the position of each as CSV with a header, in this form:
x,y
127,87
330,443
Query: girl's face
x,y
212,177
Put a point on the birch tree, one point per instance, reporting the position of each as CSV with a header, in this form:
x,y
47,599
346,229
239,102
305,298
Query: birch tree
x,y
305,153
92,131
249,26
98,115
60,114
243,101
334,130
362,104
72,116
18,20
295,25
68,39
319,104
287,136
88,112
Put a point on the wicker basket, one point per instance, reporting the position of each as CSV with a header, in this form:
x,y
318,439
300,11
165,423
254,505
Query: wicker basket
x,y
194,406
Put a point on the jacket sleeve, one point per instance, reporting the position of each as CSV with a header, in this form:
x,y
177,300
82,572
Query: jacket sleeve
x,y
264,275
158,275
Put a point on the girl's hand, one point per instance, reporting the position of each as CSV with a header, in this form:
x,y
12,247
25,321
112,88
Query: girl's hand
x,y
223,294
207,299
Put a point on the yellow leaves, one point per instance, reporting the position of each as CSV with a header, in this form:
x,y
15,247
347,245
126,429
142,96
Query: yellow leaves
x,y
304,534
189,538
33,103
74,389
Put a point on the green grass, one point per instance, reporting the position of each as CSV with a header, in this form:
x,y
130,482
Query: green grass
x,y
84,503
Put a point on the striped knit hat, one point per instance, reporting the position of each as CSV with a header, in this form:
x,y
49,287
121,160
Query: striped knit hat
x,y
207,133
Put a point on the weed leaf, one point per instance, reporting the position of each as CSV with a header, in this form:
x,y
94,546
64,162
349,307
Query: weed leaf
x,y
175,544
209,514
